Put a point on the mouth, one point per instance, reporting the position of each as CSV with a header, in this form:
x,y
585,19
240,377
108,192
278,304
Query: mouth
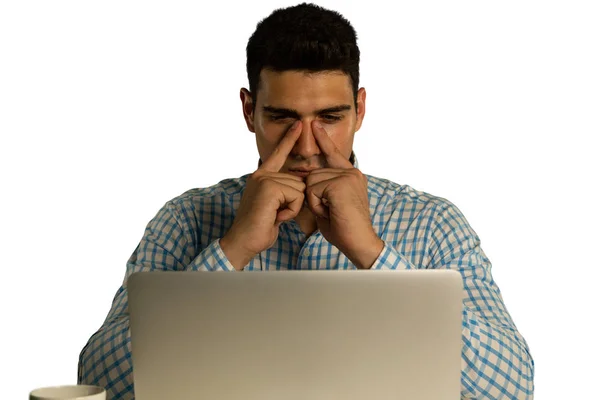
x,y
301,173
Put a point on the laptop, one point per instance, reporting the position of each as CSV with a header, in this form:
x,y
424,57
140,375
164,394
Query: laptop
x,y
296,335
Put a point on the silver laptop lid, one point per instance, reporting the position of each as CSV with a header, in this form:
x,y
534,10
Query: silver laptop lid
x,y
318,335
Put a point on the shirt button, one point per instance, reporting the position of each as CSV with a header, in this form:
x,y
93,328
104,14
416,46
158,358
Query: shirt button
x,y
306,253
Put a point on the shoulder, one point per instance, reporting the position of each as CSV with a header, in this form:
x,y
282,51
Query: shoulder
x,y
219,198
225,189
404,207
395,195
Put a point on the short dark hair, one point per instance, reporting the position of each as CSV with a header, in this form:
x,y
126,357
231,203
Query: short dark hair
x,y
305,37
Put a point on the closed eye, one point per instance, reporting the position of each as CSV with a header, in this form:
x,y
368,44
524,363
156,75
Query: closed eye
x,y
278,117
329,117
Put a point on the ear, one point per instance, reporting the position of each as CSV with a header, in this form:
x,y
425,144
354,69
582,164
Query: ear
x,y
246,98
361,98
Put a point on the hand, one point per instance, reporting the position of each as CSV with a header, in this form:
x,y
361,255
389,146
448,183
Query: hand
x,y
269,199
338,198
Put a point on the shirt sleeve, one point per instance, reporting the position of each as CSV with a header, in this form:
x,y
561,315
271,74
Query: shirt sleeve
x,y
496,361
106,358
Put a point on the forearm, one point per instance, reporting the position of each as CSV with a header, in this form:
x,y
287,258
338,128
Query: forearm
x,y
106,360
235,253
496,363
170,245
365,257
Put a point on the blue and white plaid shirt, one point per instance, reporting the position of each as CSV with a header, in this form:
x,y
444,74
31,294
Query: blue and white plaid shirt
x,y
419,230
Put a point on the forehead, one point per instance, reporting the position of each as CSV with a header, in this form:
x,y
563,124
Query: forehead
x,y
304,90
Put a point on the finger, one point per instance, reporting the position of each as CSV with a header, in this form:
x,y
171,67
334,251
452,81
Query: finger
x,y
279,155
291,182
290,204
280,176
317,207
317,201
335,158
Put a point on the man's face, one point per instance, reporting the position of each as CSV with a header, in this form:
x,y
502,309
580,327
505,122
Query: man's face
x,y
284,97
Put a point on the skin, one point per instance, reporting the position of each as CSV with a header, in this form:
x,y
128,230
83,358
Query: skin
x,y
306,95
320,106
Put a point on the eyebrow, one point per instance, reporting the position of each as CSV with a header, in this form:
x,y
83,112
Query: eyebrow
x,y
295,114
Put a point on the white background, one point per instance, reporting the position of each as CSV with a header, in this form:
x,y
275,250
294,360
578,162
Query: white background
x,y
109,109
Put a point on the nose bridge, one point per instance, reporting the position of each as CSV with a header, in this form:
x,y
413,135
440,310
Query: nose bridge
x,y
306,144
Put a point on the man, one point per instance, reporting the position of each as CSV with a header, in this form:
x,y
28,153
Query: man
x,y
308,199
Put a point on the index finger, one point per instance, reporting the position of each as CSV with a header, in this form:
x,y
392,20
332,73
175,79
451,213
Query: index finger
x,y
335,159
277,159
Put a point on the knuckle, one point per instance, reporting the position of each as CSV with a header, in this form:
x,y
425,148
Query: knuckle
x,y
257,175
268,184
358,174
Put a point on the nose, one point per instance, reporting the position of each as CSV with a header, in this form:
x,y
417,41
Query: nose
x,y
306,146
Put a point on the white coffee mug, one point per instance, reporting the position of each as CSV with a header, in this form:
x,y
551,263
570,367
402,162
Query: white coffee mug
x,y
69,392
